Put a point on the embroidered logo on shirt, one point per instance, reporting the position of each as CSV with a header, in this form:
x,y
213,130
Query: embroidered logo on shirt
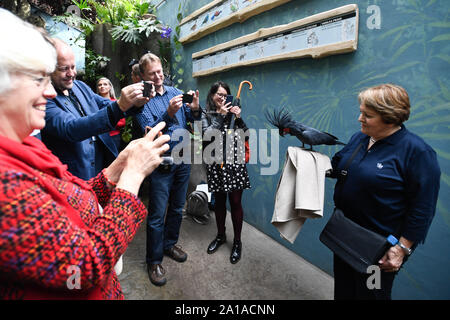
x,y
379,165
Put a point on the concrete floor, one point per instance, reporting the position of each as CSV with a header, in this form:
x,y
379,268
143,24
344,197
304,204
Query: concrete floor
x,y
267,270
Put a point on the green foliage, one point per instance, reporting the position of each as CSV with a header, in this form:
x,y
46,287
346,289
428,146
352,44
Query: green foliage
x,y
126,133
177,64
82,4
95,63
128,18
107,12
120,76
142,8
73,20
117,11
133,30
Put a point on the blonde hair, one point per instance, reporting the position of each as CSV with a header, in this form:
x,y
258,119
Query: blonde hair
x,y
23,48
112,93
389,100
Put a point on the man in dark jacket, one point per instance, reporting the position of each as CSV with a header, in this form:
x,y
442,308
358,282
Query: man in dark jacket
x,y
78,121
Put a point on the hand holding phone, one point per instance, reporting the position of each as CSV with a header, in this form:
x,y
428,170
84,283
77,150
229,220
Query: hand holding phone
x,y
229,99
187,98
167,160
148,87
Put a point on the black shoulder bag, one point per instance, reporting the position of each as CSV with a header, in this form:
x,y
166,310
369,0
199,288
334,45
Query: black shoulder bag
x,y
356,245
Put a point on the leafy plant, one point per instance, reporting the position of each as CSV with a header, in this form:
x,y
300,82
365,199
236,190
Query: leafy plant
x,y
117,11
126,133
129,18
179,71
83,22
133,30
95,63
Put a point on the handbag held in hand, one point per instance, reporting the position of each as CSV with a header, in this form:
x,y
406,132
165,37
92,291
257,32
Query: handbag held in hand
x,y
356,245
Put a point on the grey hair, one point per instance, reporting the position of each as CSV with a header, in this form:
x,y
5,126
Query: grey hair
x,y
23,48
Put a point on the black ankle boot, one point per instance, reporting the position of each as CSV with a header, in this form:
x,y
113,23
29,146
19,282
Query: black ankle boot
x,y
236,252
216,243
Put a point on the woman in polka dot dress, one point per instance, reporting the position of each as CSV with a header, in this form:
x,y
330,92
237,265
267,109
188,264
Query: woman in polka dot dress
x,y
227,175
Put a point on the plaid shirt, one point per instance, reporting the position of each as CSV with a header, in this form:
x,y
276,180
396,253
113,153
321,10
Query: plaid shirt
x,y
155,111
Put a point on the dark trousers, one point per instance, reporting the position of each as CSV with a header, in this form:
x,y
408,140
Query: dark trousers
x,y
352,285
167,190
237,214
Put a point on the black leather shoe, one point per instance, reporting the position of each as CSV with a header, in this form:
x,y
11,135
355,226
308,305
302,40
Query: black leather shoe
x,y
156,274
216,243
236,252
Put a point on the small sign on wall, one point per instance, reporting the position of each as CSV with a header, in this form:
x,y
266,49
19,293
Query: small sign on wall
x,y
220,14
323,34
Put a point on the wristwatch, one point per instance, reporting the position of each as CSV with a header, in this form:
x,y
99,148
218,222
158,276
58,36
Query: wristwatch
x,y
406,250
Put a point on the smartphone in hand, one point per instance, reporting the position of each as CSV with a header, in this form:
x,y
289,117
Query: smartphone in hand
x,y
188,98
229,99
148,87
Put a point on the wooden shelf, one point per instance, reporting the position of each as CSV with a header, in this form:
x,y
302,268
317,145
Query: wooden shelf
x,y
327,33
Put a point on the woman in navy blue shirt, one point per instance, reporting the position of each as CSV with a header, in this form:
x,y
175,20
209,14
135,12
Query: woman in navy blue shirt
x,y
391,187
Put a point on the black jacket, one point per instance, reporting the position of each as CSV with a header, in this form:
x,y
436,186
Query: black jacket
x,y
215,121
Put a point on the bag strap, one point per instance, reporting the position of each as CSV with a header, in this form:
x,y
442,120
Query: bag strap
x,y
344,171
342,176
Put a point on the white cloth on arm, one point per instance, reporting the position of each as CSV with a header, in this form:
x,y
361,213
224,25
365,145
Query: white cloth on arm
x,y
300,191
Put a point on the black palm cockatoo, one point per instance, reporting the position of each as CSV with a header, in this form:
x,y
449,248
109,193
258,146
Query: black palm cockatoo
x,y
307,135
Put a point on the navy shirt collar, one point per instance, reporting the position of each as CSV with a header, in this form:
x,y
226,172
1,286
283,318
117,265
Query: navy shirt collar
x,y
393,138
396,136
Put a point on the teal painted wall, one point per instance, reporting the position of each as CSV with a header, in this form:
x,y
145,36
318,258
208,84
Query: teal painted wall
x,y
411,48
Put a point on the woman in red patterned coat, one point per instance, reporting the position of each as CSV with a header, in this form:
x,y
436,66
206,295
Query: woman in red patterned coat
x,y
55,243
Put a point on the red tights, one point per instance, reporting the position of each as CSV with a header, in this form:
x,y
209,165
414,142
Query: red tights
x,y
237,214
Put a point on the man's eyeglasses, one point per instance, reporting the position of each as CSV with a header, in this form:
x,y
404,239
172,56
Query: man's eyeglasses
x,y
65,68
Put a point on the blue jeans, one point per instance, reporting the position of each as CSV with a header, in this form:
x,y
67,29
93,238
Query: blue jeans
x,y
167,190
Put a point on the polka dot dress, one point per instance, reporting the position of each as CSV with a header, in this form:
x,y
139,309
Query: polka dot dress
x,y
232,175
